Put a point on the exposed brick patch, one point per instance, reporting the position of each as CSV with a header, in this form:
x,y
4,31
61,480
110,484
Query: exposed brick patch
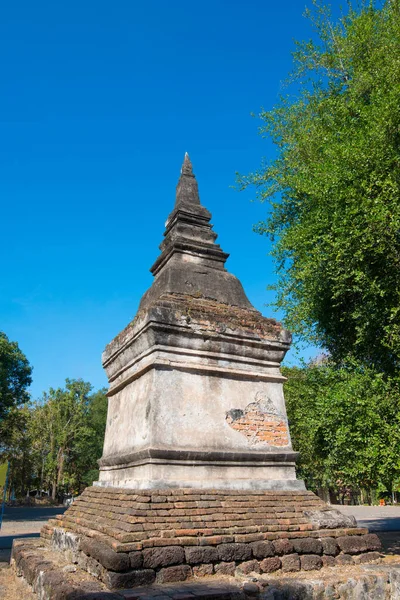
x,y
260,422
212,315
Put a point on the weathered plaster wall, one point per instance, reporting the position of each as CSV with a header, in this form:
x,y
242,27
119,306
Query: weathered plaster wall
x,y
208,422
192,410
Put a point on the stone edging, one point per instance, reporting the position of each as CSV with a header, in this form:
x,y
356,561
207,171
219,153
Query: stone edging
x,y
53,578
172,563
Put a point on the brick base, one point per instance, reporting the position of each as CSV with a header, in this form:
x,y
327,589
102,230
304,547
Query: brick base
x,y
127,538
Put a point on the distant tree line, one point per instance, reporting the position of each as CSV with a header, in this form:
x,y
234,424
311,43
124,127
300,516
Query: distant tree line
x,y
52,444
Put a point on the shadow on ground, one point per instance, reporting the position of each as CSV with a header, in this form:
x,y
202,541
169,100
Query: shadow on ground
x,y
7,540
378,525
29,513
390,542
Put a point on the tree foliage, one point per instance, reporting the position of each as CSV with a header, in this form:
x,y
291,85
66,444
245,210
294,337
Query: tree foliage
x,y
54,443
346,424
89,448
15,447
334,186
15,376
61,422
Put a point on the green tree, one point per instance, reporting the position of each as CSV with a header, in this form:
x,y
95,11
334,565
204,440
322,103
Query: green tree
x,y
89,448
346,424
334,186
61,421
67,433
15,448
15,376
54,444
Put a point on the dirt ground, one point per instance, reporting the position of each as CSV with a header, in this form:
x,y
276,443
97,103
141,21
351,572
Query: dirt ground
x,y
14,588
19,522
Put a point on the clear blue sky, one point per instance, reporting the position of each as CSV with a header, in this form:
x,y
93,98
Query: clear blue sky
x,y
98,103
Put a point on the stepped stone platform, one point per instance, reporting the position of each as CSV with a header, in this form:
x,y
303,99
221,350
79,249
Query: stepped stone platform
x,y
128,538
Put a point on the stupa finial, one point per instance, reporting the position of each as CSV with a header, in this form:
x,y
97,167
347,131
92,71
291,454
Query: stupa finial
x,y
187,167
187,193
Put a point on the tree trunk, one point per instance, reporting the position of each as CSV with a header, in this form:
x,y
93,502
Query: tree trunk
x,y
52,449
60,465
41,478
9,487
54,489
